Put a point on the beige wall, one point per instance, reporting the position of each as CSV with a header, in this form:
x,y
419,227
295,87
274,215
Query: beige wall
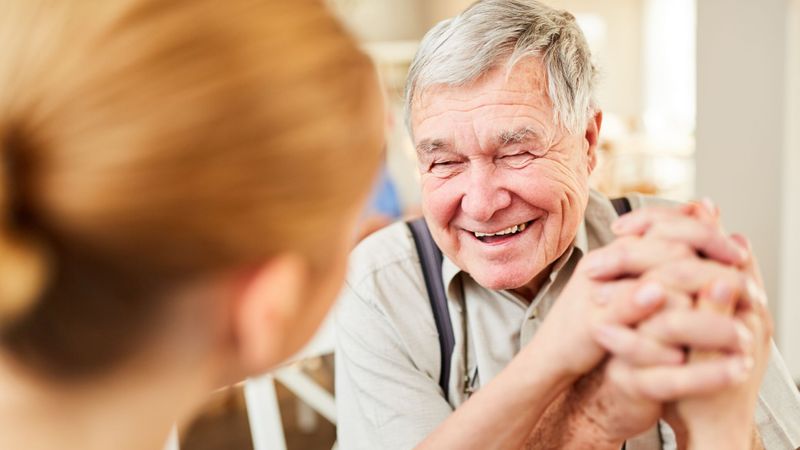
x,y
788,320
742,145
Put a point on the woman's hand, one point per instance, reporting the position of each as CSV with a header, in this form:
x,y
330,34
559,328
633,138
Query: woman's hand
x,y
725,419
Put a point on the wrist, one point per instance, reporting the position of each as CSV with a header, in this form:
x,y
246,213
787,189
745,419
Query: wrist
x,y
568,425
726,442
593,434
730,437
593,415
555,377
557,371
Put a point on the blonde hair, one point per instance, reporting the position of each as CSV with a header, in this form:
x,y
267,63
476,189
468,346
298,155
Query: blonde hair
x,y
146,143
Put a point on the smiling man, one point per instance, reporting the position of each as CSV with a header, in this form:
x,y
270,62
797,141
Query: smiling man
x,y
569,324
504,188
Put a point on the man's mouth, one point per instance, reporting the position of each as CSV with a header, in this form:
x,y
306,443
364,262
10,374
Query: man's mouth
x,y
502,235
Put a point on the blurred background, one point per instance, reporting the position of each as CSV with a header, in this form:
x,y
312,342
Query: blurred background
x,y
700,98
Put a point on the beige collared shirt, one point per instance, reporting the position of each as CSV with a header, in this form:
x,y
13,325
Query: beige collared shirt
x,y
387,353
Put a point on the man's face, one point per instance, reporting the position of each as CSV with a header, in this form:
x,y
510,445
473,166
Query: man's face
x,y
504,188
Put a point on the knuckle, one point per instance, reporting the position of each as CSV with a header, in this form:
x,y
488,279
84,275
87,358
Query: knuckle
x,y
680,250
591,259
624,247
729,330
682,271
617,374
680,300
640,352
670,326
626,241
656,390
622,256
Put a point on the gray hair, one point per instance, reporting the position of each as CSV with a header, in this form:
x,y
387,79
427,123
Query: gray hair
x,y
459,50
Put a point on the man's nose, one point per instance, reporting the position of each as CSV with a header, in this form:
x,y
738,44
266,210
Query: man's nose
x,y
484,196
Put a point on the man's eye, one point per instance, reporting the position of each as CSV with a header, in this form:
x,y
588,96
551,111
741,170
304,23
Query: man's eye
x,y
444,167
518,160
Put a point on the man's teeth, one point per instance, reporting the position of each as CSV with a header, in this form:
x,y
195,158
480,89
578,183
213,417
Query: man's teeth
x,y
509,230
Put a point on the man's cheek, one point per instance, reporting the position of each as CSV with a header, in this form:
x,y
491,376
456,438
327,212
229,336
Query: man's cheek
x,y
551,186
539,190
441,203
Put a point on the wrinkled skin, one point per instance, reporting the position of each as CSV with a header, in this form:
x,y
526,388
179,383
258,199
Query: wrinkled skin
x,y
491,157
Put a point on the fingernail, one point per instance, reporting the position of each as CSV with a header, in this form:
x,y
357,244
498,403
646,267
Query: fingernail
x,y
721,292
649,294
739,368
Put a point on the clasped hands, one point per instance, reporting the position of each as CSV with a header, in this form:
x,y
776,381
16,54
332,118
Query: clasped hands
x,y
669,321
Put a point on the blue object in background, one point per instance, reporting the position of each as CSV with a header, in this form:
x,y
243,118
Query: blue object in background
x,y
384,199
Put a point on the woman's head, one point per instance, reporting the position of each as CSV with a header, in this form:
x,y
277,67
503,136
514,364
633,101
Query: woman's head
x,y
148,146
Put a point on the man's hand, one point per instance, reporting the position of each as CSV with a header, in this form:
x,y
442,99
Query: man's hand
x,y
565,337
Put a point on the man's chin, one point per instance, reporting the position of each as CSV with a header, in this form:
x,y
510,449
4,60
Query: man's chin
x,y
500,281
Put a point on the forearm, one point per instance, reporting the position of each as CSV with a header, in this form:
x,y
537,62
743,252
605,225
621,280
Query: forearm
x,y
565,425
502,413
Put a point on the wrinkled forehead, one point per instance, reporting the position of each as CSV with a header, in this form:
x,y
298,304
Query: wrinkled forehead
x,y
503,90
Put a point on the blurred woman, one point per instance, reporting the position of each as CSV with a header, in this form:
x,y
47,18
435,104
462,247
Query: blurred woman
x,y
179,185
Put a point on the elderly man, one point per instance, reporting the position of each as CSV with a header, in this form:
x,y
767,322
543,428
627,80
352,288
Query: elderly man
x,y
569,324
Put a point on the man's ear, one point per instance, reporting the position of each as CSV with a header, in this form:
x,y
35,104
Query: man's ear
x,y
265,311
592,138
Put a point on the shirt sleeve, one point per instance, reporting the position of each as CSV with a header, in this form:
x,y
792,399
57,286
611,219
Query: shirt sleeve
x,y
778,410
384,399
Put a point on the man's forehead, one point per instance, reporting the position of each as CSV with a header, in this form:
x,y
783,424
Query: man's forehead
x,y
527,76
525,84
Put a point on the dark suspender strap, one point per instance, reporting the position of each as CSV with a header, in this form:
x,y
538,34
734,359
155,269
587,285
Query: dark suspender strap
x,y
430,257
622,205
